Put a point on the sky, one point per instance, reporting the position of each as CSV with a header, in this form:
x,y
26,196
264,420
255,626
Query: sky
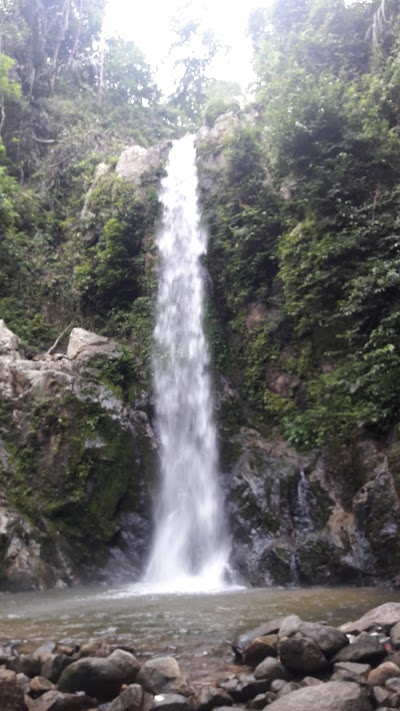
x,y
147,23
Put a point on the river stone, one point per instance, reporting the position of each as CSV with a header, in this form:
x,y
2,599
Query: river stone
x,y
11,696
163,674
381,695
134,698
101,678
54,665
170,702
24,665
353,669
259,649
332,696
209,697
328,639
310,681
39,685
364,649
270,627
301,655
287,688
245,687
95,648
385,615
57,701
386,670
393,684
289,626
44,651
270,669
260,701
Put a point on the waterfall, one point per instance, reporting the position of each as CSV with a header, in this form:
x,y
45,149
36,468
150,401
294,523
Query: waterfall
x,y
190,548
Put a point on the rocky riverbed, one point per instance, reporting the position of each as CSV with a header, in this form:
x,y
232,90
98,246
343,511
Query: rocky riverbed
x,y
286,663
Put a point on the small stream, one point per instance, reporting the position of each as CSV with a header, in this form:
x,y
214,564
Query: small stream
x,y
196,629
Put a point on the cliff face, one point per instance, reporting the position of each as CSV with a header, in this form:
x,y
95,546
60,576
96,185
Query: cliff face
x,y
76,464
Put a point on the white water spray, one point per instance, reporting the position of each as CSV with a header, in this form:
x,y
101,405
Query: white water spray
x,y
190,548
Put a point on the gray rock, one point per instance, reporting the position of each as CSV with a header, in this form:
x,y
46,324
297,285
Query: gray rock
x,y
136,160
270,669
381,695
209,697
353,669
310,681
301,655
134,698
332,696
270,627
289,626
57,701
393,684
9,342
23,664
385,615
54,665
171,702
101,678
83,345
277,685
245,687
163,675
11,696
288,688
259,702
44,651
23,682
364,649
328,639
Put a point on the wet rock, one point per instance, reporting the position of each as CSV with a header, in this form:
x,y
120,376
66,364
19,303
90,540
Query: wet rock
x,y
134,698
209,697
101,678
83,345
171,702
162,675
301,655
332,696
353,670
385,671
245,687
57,701
328,639
364,649
385,615
270,669
11,696
259,649
54,665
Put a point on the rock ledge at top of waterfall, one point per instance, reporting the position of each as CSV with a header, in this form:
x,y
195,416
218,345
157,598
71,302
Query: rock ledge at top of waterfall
x,y
136,160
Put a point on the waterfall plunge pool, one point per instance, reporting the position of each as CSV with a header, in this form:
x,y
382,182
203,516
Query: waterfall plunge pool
x,y
197,629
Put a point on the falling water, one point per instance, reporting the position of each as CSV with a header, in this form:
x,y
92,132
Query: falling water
x,y
190,548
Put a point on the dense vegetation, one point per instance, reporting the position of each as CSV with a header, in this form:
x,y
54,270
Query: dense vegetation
x,y
305,223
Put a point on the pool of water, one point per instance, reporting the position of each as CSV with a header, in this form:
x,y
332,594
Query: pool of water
x,y
196,628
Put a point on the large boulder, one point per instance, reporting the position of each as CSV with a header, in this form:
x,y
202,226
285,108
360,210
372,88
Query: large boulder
x,y
9,342
385,615
328,639
301,655
100,677
163,675
365,649
333,696
136,160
